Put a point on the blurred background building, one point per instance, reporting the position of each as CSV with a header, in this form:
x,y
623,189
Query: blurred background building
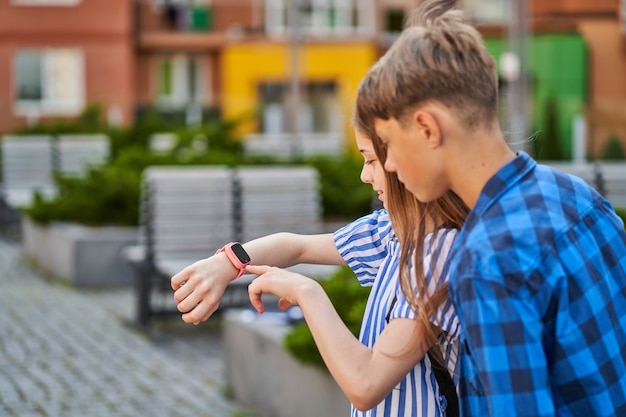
x,y
290,68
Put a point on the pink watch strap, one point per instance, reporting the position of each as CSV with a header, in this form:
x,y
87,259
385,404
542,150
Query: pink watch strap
x,y
233,259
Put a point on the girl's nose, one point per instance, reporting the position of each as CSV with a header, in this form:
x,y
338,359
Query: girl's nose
x,y
366,176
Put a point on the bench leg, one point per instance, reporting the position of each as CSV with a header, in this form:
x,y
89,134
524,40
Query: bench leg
x,y
143,289
10,221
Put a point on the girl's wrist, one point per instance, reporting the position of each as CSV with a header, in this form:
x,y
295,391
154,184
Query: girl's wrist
x,y
309,290
226,266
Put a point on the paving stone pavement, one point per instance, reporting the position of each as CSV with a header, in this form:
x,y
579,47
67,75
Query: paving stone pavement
x,y
66,352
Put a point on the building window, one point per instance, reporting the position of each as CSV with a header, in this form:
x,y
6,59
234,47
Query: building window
x,y
489,11
320,17
180,81
318,111
394,20
186,15
45,2
49,82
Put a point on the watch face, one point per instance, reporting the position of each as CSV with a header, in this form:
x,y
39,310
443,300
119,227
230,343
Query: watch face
x,y
240,252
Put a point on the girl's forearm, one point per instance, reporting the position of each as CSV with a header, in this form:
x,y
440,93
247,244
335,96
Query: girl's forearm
x,y
287,249
365,376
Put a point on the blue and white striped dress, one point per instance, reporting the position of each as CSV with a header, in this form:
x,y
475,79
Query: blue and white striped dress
x,y
372,251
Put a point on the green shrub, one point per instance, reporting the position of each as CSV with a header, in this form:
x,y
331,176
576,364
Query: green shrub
x,y
547,143
613,150
110,194
349,299
343,193
90,120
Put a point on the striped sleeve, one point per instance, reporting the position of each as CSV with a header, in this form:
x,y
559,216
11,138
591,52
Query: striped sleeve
x,y
363,244
436,271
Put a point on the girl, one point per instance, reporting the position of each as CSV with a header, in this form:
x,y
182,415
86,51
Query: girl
x,y
387,371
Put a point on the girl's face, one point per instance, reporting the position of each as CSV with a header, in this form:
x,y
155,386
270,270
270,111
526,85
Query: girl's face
x,y
373,172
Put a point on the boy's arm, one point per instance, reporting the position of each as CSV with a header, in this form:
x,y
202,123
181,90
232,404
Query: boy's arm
x,y
365,376
200,286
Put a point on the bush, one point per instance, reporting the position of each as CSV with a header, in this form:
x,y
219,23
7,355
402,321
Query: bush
x,y
547,143
110,194
344,195
90,120
349,299
613,150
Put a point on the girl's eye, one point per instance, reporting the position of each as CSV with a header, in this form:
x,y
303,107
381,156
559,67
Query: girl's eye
x,y
370,162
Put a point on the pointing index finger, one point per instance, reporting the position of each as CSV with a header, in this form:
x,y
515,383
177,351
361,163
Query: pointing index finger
x,y
258,269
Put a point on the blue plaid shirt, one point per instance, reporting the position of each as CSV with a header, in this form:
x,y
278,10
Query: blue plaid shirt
x,y
538,277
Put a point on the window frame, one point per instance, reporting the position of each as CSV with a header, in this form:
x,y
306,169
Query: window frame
x,y
55,3
274,98
181,83
326,17
51,104
489,11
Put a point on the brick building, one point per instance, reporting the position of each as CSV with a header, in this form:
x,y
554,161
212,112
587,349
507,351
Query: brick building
x,y
236,57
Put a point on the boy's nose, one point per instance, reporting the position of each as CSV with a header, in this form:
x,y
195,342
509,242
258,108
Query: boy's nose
x,y
390,165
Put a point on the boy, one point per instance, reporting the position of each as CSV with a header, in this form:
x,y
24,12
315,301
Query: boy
x,y
538,272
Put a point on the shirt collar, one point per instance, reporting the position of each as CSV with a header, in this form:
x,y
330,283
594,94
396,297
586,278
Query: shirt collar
x,y
506,177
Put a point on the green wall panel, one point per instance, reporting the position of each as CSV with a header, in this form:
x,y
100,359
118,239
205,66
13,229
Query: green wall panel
x,y
558,69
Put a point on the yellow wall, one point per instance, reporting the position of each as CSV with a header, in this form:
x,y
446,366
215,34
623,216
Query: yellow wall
x,y
246,64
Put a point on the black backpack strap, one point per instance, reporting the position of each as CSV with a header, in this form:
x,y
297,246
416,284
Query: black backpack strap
x,y
444,380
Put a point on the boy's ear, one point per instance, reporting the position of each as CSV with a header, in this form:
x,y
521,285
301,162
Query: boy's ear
x,y
428,127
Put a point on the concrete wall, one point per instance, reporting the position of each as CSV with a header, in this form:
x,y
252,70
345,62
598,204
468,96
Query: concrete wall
x,y
80,255
264,376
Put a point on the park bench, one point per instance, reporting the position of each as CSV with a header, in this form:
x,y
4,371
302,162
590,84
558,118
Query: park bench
x,y
184,211
188,212
77,153
27,165
614,182
29,162
278,198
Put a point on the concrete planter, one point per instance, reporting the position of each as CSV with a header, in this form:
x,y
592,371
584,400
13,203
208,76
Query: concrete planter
x,y
79,255
266,377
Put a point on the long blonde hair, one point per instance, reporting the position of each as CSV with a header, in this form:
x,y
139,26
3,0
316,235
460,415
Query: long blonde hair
x,y
412,221
438,57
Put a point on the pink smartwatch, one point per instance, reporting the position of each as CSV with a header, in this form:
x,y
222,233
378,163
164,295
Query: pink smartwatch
x,y
237,255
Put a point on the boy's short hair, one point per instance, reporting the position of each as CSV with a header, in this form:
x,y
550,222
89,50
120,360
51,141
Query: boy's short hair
x,y
438,57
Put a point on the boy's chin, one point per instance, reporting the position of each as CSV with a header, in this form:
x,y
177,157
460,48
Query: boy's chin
x,y
424,196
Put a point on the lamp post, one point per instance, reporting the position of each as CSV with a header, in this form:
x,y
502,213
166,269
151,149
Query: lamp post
x,y
515,70
294,85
